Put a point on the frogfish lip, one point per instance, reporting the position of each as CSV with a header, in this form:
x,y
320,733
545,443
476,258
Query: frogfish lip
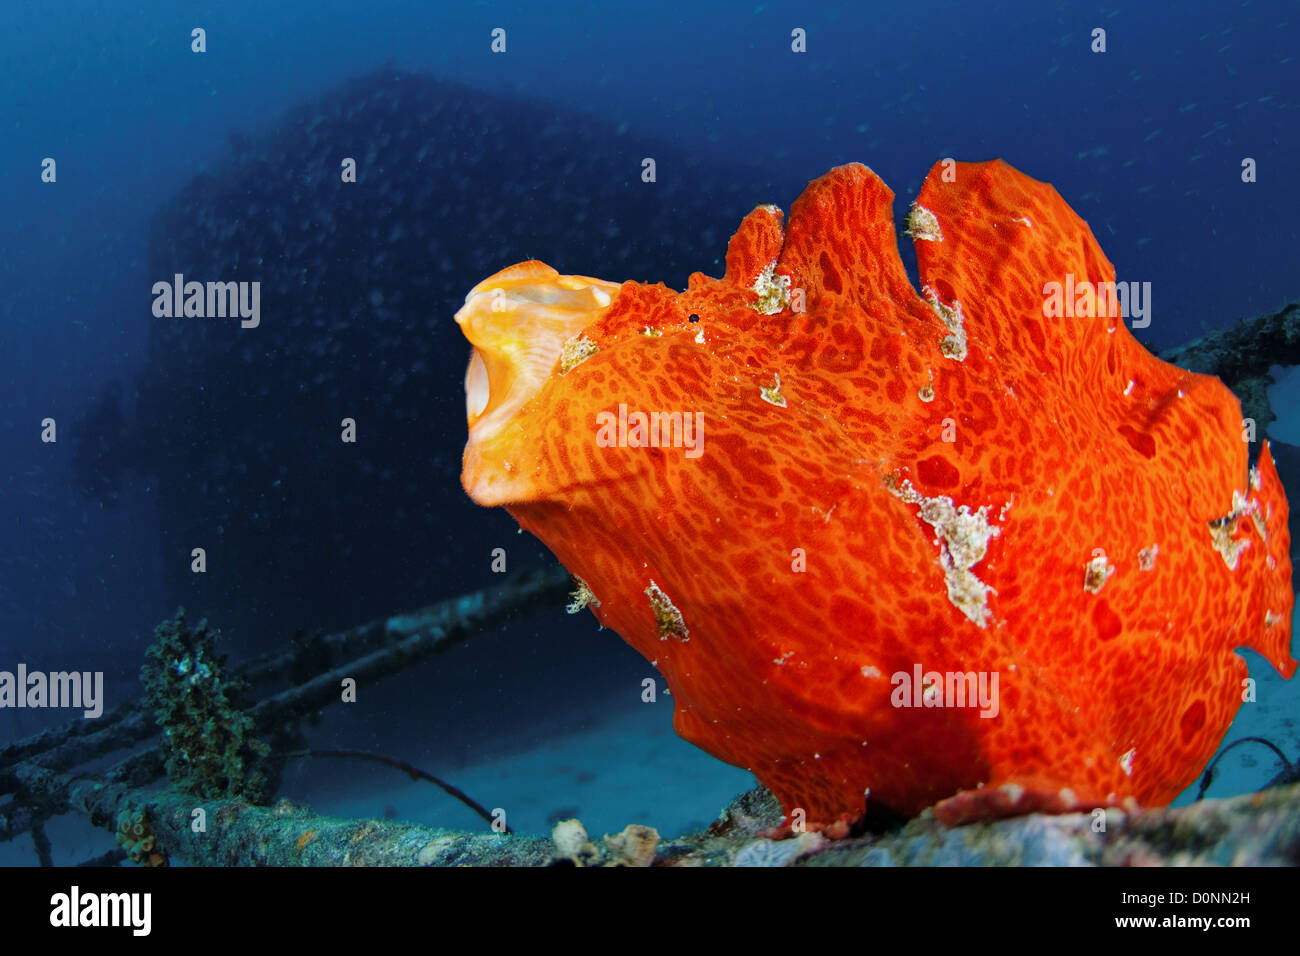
x,y
518,322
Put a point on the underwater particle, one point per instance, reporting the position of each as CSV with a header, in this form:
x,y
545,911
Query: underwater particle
x,y
668,620
576,350
636,845
1096,573
773,291
772,393
1147,557
581,597
572,844
923,224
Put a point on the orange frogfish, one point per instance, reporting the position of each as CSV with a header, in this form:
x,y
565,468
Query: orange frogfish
x,y
973,548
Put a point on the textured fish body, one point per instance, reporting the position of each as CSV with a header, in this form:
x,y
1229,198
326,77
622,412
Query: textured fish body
x,y
949,548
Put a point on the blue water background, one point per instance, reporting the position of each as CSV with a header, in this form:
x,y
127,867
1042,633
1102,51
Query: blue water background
x,y
1145,142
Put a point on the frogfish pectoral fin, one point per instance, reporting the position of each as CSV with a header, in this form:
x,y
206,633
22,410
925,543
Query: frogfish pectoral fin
x,y
1014,797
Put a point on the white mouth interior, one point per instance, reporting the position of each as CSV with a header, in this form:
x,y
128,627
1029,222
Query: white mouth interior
x,y
477,391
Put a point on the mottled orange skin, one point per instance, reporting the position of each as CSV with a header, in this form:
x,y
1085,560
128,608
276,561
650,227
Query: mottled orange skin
x,y
772,675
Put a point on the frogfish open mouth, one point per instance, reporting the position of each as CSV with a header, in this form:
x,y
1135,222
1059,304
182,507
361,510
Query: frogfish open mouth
x,y
973,548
